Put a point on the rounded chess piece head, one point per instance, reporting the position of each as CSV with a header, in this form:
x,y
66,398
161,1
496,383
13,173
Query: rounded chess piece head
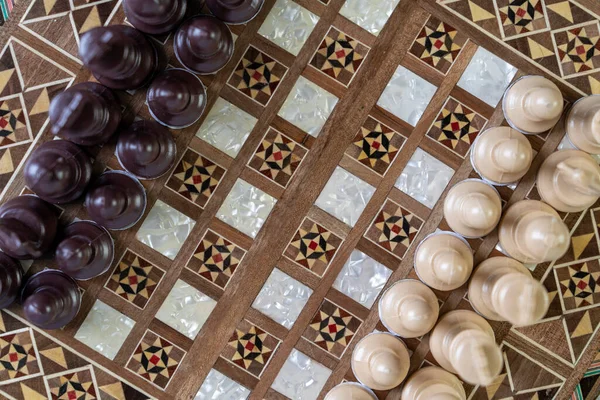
x,y
501,155
235,11
444,261
86,250
569,180
176,98
408,309
87,114
11,279
583,124
51,299
116,200
532,232
146,149
155,17
350,390
380,361
119,56
472,208
433,383
27,227
533,104
203,44
58,171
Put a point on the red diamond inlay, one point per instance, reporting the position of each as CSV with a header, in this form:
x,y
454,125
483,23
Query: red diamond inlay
x,y
154,359
438,44
376,145
3,123
197,179
257,75
277,156
396,229
313,245
13,357
580,49
72,395
455,126
340,54
332,328
249,346
521,12
582,285
133,280
217,258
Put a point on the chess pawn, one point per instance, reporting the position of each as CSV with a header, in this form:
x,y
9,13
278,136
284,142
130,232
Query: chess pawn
x,y
502,289
58,171
408,309
203,44
86,250
444,261
11,279
146,149
87,114
433,383
350,390
533,104
27,227
569,180
176,98
235,11
116,200
463,343
501,155
155,17
51,299
119,56
472,208
380,361
532,232
583,124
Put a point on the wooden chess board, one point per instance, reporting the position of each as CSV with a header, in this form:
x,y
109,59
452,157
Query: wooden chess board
x,y
323,158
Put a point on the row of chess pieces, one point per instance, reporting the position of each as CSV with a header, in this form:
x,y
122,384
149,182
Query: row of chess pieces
x,y
87,115
499,288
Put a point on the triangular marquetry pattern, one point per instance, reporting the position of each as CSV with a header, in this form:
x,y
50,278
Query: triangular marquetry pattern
x,y
581,327
550,335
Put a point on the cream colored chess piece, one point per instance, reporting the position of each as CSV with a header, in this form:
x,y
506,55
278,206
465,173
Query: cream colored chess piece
x,y
462,342
444,261
569,180
583,124
350,391
408,308
380,361
532,232
433,383
502,289
501,155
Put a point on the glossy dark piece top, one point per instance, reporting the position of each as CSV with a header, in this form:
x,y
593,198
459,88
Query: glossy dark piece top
x,y
119,56
86,250
27,227
155,17
58,171
51,299
116,200
235,11
87,114
11,279
146,149
176,98
203,44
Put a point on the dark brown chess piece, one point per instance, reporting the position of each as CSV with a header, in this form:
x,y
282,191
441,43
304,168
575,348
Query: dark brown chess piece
x,y
87,114
58,171
51,299
203,44
176,98
235,11
119,56
27,227
11,279
116,200
86,250
155,17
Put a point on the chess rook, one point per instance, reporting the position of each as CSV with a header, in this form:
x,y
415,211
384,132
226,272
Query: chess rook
x,y
583,124
155,17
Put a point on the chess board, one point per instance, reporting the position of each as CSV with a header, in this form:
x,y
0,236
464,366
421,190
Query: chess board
x,y
322,160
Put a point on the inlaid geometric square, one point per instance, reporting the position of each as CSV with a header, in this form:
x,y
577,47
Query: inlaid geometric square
x,y
456,127
375,145
19,358
257,75
521,17
134,279
578,49
216,259
250,348
339,56
332,328
438,44
196,177
394,228
156,359
579,284
13,125
313,247
277,157
75,384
